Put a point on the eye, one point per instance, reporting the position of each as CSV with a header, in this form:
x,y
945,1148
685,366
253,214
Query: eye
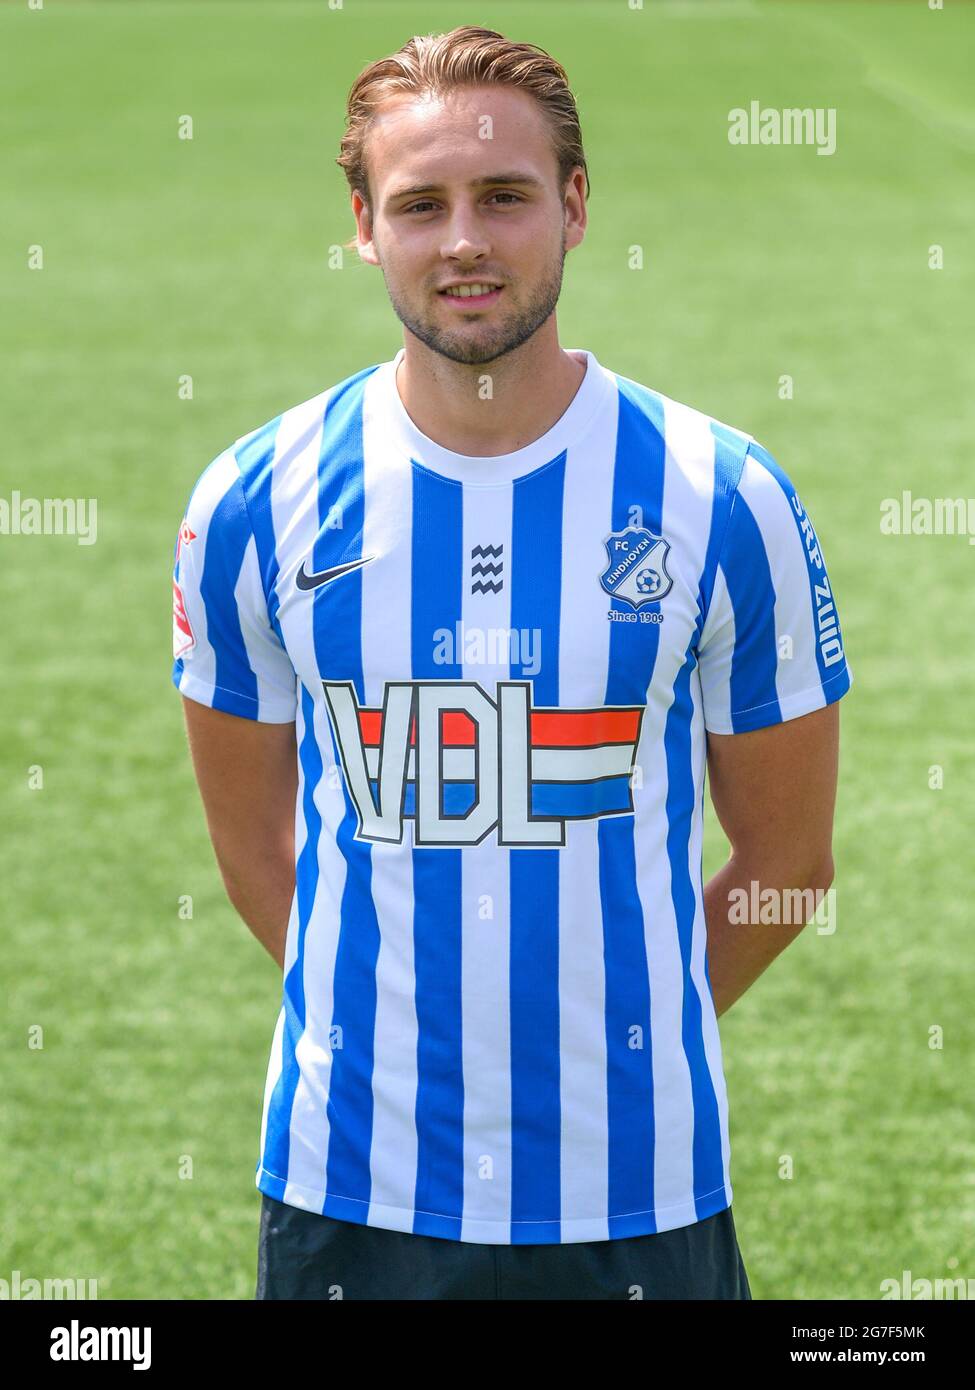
x,y
425,203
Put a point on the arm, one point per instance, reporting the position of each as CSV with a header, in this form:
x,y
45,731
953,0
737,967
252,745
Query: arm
x,y
773,790
239,693
247,772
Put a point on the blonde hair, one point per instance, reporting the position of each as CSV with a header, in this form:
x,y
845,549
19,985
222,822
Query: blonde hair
x,y
437,64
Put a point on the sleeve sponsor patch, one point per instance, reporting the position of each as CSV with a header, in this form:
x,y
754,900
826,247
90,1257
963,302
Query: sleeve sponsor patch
x,y
183,638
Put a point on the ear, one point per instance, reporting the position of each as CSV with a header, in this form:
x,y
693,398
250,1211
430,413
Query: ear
x,y
363,243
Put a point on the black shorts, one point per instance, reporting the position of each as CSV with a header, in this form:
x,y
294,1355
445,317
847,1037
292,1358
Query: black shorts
x,y
303,1255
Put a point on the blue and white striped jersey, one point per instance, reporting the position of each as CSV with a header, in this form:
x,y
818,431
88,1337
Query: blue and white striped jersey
x,y
497,1023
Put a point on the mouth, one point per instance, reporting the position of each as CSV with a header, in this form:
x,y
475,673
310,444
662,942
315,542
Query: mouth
x,y
477,295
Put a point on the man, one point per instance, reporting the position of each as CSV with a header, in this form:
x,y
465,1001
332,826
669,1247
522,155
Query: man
x,y
457,638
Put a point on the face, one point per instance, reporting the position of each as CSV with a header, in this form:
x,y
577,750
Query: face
x,y
451,206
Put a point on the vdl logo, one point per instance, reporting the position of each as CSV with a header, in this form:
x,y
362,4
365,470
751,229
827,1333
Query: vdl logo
x,y
637,569
461,764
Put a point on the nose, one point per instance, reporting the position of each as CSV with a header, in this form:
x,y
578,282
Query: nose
x,y
465,238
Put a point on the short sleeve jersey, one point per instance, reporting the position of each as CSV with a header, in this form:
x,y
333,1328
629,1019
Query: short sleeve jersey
x,y
497,1022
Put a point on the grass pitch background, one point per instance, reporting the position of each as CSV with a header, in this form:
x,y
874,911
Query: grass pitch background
x,y
209,257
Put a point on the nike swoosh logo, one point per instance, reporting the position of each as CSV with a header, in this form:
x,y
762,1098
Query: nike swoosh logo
x,y
314,581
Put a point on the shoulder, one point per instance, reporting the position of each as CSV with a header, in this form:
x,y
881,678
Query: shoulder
x,y
707,452
292,431
243,470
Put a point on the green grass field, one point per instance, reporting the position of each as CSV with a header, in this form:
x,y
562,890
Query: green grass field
x,y
164,257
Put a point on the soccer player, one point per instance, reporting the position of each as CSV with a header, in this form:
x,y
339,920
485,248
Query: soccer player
x,y
458,638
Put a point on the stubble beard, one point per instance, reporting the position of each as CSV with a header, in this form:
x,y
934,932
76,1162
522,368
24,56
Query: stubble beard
x,y
485,344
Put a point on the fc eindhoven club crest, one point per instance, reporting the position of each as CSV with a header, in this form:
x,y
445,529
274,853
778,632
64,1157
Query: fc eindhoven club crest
x,y
637,570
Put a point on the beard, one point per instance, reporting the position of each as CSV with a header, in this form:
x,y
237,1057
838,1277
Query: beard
x,y
486,342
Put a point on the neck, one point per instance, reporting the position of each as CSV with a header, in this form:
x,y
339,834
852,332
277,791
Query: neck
x,y
528,391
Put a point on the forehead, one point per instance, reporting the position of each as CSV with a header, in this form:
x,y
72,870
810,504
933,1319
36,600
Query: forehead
x,y
412,138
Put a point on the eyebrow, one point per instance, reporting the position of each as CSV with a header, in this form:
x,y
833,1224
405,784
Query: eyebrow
x,y
529,180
